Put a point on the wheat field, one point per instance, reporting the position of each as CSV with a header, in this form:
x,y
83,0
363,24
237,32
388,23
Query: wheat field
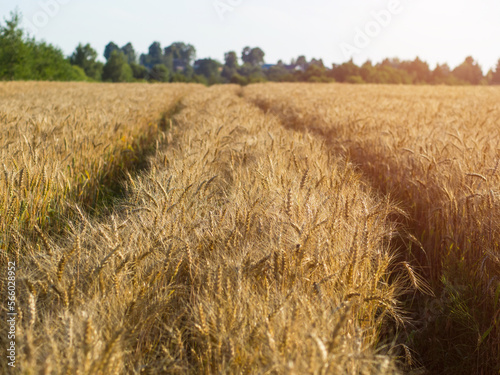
x,y
66,142
436,150
276,228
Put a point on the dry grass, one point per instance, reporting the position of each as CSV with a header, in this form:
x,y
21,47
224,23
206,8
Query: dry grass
x,y
245,248
436,149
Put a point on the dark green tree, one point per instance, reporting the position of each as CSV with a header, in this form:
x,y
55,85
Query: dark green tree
x,y
117,68
197,78
159,73
178,77
208,68
230,66
317,63
86,58
129,52
238,79
188,72
301,62
253,73
154,56
342,72
109,49
181,55
231,60
278,73
14,52
315,73
155,52
253,56
139,71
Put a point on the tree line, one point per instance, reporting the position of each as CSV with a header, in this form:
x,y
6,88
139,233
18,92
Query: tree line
x,y
24,58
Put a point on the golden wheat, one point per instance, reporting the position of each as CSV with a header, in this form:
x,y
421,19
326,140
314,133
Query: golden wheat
x,y
243,248
436,150
67,143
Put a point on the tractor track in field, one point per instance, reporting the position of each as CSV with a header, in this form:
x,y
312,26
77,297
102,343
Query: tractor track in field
x,y
429,336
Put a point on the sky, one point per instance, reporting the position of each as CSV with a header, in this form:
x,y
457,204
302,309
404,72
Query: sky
x,y
437,31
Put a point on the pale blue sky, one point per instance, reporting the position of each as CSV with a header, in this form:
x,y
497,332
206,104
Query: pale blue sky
x,y
435,30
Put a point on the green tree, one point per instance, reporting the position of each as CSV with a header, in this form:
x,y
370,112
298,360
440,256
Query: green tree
x,y
231,60
253,56
117,68
418,69
189,72
390,75
441,74
393,63
368,72
253,73
154,56
317,63
139,71
26,59
347,69
129,52
208,68
199,79
109,49
495,78
301,62
86,58
48,63
181,55
238,79
178,77
469,71
159,73
316,73
278,73
230,66
14,52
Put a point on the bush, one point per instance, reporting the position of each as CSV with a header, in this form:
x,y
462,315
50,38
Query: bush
x,y
355,79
